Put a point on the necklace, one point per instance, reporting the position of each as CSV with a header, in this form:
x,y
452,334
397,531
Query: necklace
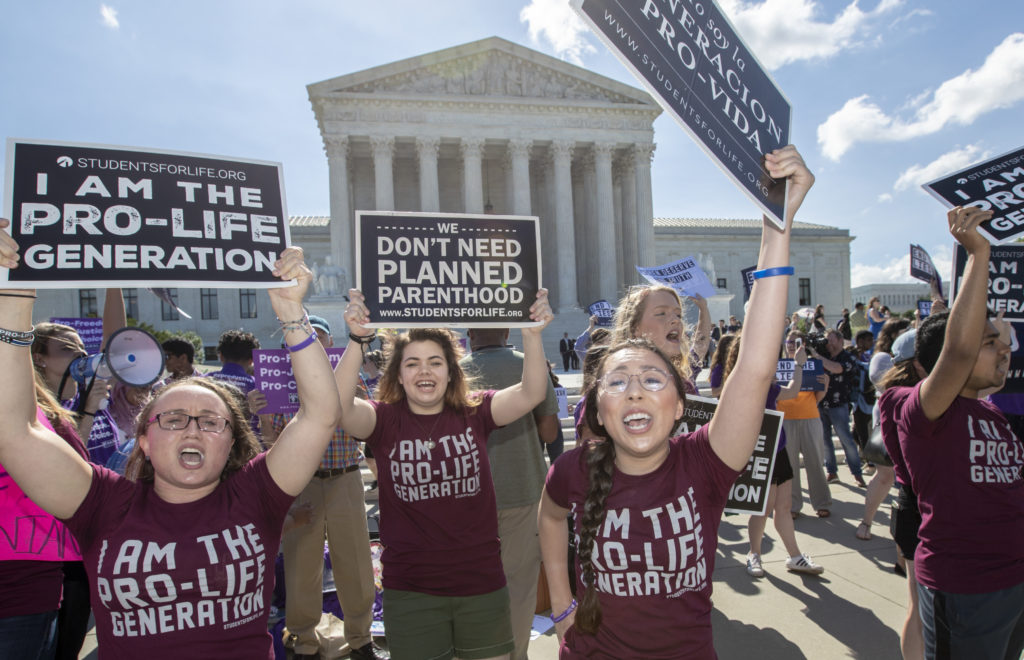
x,y
430,436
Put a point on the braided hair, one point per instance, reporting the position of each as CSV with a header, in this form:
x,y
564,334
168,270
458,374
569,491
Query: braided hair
x,y
600,461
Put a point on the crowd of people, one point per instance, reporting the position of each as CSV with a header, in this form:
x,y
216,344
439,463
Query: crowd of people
x,y
180,495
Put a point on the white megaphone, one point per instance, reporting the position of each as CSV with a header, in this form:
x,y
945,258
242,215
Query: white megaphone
x,y
133,356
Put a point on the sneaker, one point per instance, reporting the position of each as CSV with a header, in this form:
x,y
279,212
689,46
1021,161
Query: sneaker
x,y
833,478
371,487
369,652
803,564
754,568
868,470
859,481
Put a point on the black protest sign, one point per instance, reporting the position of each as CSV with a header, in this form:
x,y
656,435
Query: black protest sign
x,y
810,372
97,215
690,58
455,270
749,493
1005,294
748,281
997,185
922,267
603,310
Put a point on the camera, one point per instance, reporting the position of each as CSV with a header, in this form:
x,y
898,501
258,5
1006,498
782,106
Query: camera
x,y
818,342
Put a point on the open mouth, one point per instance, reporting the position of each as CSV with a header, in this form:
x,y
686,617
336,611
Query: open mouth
x,y
637,421
673,336
426,385
191,458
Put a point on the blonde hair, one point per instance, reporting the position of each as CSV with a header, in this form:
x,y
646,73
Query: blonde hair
x,y
630,311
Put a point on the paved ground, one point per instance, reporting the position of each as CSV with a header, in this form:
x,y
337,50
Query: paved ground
x,y
853,610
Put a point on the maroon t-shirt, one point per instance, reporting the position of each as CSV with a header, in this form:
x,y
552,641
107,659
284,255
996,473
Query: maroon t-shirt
x,y
654,554
438,517
890,406
965,467
189,580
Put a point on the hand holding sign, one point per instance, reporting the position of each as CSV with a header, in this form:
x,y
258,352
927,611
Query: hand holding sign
x,y
540,312
292,266
963,225
356,315
9,256
787,163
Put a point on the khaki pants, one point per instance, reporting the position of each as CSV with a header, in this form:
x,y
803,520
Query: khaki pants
x,y
520,559
804,436
340,511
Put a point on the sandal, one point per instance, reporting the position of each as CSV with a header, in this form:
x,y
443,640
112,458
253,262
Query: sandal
x,y
866,534
824,513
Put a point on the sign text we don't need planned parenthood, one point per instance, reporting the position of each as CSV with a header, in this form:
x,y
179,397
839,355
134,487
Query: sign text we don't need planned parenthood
x,y
455,270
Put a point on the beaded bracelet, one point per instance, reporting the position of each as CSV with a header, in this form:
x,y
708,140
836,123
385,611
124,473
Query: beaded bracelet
x,y
569,610
308,341
298,324
772,272
17,337
365,340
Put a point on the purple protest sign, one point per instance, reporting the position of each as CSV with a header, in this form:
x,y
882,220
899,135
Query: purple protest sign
x,y
604,312
273,374
90,330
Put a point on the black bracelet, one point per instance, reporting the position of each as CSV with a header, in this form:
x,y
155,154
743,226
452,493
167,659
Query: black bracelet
x,y
17,295
90,414
365,340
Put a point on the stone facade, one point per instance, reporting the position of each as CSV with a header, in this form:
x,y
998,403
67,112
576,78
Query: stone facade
x,y
493,126
897,297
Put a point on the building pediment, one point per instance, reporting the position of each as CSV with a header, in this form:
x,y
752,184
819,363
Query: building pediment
x,y
491,67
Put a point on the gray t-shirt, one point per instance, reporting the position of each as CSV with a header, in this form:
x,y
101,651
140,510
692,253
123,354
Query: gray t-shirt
x,y
514,451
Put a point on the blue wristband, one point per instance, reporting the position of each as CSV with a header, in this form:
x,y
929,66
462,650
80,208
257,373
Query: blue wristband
x,y
308,341
772,272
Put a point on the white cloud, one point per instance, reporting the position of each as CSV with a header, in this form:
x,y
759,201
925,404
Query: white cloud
x,y
952,161
884,198
784,31
556,22
109,17
997,84
897,270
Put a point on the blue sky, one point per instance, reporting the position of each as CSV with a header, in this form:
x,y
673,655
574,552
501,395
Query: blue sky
x,y
886,94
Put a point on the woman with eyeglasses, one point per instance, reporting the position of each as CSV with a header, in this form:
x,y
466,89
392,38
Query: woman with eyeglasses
x,y
647,504
180,555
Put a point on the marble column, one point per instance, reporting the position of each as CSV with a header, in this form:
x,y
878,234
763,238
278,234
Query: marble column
x,y
628,237
342,234
590,257
617,175
383,171
472,149
643,153
567,299
604,264
519,154
430,196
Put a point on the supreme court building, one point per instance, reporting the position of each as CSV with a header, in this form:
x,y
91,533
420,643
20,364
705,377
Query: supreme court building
x,y
494,126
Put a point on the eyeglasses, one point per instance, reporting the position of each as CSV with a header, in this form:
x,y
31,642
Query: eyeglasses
x,y
651,379
177,421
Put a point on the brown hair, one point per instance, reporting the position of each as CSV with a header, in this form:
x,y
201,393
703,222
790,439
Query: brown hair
x,y
627,321
600,459
722,350
44,332
730,358
244,446
888,334
457,394
902,374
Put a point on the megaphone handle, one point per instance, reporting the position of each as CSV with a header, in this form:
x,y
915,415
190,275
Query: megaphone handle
x,y
83,396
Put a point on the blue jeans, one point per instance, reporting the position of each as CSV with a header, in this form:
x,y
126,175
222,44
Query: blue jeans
x,y
988,626
839,418
31,636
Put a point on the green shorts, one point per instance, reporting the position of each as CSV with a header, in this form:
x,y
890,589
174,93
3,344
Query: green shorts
x,y
427,627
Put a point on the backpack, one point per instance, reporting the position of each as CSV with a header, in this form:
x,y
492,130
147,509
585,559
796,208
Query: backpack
x,y
866,389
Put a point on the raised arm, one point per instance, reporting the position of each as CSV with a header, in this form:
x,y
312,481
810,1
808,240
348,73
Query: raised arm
x,y
966,323
40,461
301,445
358,417
734,428
513,402
702,333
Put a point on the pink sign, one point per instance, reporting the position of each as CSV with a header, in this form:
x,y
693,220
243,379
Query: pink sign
x,y
28,532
